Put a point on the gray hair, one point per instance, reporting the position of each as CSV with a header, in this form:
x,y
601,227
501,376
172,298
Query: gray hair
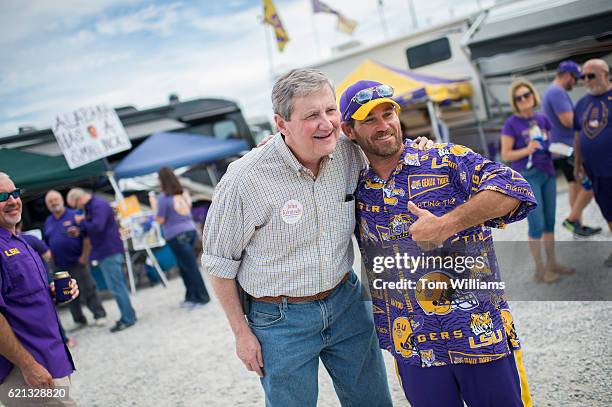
x,y
74,194
296,83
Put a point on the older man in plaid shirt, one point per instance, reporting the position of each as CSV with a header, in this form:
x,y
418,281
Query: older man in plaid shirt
x,y
280,225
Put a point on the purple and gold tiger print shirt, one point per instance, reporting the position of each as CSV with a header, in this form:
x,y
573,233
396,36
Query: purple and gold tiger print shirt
x,y
421,316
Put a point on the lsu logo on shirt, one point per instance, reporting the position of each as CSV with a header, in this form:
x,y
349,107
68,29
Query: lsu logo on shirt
x,y
399,228
11,252
481,323
482,326
419,184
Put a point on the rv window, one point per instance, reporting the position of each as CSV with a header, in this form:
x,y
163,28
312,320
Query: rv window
x,y
428,53
225,129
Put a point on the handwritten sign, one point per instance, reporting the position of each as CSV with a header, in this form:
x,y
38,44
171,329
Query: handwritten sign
x,y
90,133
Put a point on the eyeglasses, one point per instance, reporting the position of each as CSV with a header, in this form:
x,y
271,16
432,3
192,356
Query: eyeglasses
x,y
4,196
589,76
365,95
525,96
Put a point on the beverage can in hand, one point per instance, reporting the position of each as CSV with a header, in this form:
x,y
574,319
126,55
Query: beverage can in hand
x,y
62,286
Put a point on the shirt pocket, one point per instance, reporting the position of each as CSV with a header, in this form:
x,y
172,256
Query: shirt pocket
x,y
24,278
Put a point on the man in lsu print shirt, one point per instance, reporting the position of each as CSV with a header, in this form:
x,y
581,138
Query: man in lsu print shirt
x,y
458,343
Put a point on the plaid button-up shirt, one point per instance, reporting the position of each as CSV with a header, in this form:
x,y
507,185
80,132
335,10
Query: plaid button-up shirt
x,y
278,229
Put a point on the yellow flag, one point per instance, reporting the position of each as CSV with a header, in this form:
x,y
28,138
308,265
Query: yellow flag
x,y
271,17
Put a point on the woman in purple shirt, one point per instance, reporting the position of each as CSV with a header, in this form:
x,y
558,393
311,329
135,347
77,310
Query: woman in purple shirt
x,y
525,140
173,209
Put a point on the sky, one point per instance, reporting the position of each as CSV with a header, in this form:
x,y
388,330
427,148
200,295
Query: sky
x,y
60,55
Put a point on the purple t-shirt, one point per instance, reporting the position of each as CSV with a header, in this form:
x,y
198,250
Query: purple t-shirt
x,y
592,119
27,305
101,228
176,213
555,100
65,248
519,128
37,244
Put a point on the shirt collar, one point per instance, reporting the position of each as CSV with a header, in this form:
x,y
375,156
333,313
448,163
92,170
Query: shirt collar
x,y
5,234
288,156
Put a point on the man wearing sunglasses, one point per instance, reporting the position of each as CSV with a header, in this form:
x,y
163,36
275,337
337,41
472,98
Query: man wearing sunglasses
x,y
32,352
456,346
593,142
559,109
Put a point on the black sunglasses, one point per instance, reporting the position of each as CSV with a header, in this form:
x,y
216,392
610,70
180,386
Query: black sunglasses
x,y
589,76
525,96
4,196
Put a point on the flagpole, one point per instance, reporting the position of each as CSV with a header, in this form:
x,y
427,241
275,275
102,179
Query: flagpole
x,y
415,23
315,33
268,49
383,22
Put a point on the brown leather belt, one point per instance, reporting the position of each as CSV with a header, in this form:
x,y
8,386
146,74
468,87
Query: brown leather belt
x,y
317,297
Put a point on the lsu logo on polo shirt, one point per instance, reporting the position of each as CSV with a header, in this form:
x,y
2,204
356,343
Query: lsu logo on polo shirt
x,y
11,252
422,183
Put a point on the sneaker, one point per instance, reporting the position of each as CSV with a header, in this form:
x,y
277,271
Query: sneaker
x,y
186,304
576,228
100,322
120,326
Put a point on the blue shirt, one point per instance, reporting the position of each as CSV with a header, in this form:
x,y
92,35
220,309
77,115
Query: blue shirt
x,y
66,249
26,303
592,119
458,326
101,228
555,100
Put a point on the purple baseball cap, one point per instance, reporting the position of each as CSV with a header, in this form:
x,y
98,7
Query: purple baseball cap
x,y
571,67
351,109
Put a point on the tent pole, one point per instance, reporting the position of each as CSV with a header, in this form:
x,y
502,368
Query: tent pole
x,y
212,174
128,260
126,250
433,118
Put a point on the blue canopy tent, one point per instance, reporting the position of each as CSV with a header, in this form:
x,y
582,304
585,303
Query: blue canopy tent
x,y
176,150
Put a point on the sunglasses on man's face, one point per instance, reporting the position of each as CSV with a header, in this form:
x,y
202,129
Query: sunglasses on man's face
x,y
4,196
525,96
589,76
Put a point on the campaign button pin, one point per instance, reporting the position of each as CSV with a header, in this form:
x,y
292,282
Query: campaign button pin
x,y
292,211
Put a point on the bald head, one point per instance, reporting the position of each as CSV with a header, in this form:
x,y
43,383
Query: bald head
x,y
597,63
4,175
596,76
55,203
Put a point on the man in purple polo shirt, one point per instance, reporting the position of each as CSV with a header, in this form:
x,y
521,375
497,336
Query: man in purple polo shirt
x,y
32,352
100,225
559,110
70,253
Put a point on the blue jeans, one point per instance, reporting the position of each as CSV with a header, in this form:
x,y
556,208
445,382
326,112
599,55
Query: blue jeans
x,y
339,330
182,247
542,218
112,270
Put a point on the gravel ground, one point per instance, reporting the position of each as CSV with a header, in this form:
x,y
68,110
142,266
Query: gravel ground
x,y
175,357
